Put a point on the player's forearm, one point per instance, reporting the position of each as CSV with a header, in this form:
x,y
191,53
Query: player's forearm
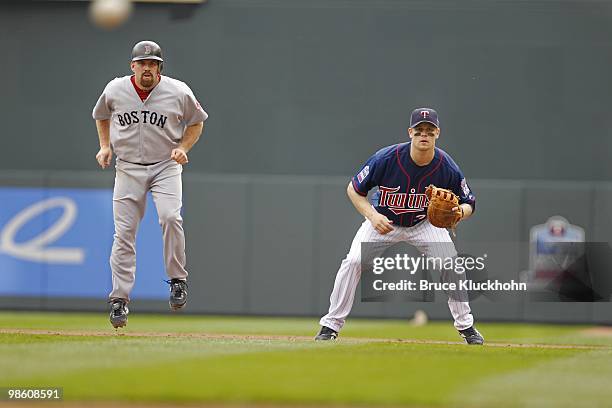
x,y
103,127
361,203
191,136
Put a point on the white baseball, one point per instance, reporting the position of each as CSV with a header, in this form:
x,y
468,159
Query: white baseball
x,y
420,318
109,14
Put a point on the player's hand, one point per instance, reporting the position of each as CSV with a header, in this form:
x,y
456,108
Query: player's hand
x,y
381,223
459,211
104,156
179,156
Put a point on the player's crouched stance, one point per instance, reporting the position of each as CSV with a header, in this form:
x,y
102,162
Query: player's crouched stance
x,y
151,122
402,173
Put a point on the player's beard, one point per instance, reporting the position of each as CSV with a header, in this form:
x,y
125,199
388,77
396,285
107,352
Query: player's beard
x,y
147,81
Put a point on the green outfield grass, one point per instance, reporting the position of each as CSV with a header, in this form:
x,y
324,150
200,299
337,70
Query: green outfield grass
x,y
367,367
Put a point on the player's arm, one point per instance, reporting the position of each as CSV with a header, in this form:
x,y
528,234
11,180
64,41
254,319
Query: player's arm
x,y
105,154
380,223
190,137
467,199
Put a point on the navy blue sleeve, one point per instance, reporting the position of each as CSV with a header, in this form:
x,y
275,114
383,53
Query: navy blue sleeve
x,y
462,189
367,178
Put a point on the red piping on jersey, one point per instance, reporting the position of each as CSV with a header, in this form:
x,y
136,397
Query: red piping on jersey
x,y
400,164
427,175
407,177
357,189
431,172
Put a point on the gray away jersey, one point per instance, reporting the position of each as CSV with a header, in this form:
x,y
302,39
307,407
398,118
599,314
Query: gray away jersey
x,y
146,132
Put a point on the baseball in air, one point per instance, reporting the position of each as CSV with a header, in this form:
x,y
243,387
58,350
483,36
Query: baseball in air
x,y
420,318
109,14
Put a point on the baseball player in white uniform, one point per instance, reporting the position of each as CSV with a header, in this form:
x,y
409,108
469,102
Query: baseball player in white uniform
x,y
401,173
150,121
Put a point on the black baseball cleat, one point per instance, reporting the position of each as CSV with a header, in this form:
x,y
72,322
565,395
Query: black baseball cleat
x,y
119,313
178,293
472,336
326,334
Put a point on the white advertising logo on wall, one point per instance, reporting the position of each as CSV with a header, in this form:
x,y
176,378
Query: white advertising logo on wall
x,y
38,248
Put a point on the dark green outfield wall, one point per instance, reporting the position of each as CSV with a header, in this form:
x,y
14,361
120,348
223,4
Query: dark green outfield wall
x,y
314,87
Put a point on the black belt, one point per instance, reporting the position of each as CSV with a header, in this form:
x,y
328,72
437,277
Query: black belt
x,y
143,164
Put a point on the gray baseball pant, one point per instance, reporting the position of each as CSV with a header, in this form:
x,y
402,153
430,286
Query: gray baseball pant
x,y
132,182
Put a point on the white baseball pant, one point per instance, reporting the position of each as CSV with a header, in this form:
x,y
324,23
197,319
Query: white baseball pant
x,y
423,236
132,182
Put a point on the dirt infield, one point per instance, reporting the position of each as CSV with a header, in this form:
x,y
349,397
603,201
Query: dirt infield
x,y
601,331
348,340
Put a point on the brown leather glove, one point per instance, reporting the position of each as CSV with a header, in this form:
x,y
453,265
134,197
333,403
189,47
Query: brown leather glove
x,y
441,203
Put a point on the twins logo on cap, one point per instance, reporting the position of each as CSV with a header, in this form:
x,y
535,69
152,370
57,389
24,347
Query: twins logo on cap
x,y
421,115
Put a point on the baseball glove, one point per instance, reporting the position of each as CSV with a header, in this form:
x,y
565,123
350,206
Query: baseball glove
x,y
441,203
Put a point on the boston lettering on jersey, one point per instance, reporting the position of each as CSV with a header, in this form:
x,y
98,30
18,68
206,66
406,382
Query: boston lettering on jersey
x,y
144,116
401,183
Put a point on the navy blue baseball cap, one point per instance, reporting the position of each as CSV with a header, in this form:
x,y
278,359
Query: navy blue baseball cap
x,y
421,115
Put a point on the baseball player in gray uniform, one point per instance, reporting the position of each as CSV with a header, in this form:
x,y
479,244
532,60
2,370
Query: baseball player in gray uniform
x,y
150,121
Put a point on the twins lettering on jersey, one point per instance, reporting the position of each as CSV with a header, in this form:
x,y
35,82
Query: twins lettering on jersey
x,y
153,118
401,203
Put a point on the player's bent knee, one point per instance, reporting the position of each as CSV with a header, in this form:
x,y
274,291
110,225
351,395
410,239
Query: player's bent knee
x,y
125,234
169,218
351,264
